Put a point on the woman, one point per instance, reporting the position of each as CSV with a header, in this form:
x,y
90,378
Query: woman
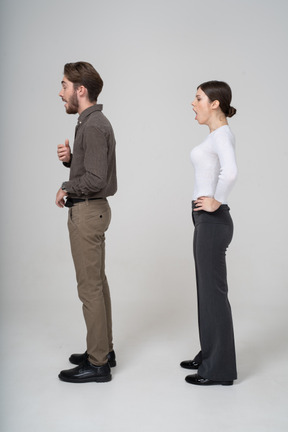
x,y
215,174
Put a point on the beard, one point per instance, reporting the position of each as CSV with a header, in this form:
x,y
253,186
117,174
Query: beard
x,y
72,104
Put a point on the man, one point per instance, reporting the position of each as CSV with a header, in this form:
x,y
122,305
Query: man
x,y
92,179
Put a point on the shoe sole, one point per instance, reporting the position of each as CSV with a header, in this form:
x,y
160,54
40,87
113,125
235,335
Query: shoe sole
x,y
103,379
223,383
190,367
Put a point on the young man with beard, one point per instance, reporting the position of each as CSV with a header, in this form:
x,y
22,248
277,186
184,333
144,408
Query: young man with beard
x,y
92,179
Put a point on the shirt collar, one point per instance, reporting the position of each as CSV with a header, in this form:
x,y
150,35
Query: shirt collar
x,y
88,111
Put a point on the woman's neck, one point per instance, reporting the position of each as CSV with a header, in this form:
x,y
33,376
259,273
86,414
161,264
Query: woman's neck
x,y
216,120
213,125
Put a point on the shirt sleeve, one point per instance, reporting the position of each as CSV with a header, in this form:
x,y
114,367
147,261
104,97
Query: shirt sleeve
x,y
224,146
95,162
68,164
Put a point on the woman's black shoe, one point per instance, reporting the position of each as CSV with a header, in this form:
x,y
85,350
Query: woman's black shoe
x,y
198,380
190,364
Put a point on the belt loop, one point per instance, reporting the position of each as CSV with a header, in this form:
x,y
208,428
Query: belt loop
x,y
86,202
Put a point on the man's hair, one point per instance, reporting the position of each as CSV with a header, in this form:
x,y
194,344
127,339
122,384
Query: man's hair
x,y
83,73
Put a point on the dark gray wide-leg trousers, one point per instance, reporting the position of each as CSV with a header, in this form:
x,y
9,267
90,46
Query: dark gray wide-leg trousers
x,y
212,236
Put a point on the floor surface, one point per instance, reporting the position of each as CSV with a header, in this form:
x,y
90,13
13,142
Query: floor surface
x,y
148,392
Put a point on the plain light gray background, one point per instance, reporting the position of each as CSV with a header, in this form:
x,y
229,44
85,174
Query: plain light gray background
x,y
151,55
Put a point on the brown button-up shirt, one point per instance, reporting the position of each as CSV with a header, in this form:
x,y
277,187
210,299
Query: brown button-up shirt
x,y
93,163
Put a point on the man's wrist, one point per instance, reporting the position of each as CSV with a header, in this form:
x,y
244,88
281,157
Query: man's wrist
x,y
68,164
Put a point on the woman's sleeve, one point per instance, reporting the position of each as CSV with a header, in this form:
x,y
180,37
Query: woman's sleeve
x,y
224,145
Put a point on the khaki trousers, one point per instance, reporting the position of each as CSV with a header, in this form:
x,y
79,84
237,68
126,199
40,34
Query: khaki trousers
x,y
87,223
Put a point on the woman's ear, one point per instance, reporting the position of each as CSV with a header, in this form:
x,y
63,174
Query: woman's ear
x,y
215,104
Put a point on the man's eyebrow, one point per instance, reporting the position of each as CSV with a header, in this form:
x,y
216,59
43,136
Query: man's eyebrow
x,y
63,82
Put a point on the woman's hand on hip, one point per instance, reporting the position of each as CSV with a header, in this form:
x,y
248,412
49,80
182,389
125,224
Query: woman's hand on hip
x,y
206,203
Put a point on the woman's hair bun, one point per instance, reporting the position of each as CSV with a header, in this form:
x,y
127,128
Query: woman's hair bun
x,y
231,112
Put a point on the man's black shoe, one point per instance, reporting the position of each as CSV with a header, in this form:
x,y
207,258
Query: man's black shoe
x,y
77,359
190,364
86,372
198,380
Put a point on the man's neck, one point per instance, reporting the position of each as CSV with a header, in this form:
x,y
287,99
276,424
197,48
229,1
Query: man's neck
x,y
85,105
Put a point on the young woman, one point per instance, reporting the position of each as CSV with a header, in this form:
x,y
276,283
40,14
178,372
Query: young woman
x,y
215,173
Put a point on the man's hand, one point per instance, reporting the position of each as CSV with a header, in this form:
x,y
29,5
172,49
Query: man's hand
x,y
60,198
64,152
206,203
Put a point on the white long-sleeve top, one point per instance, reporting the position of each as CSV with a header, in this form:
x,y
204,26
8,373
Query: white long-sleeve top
x,y
215,168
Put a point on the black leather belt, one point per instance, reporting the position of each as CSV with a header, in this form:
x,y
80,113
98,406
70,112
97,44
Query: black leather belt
x,y
71,201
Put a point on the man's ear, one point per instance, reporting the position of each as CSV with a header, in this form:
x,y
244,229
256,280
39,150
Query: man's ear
x,y
82,91
215,104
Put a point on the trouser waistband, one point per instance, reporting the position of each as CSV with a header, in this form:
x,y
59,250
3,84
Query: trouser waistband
x,y
71,201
